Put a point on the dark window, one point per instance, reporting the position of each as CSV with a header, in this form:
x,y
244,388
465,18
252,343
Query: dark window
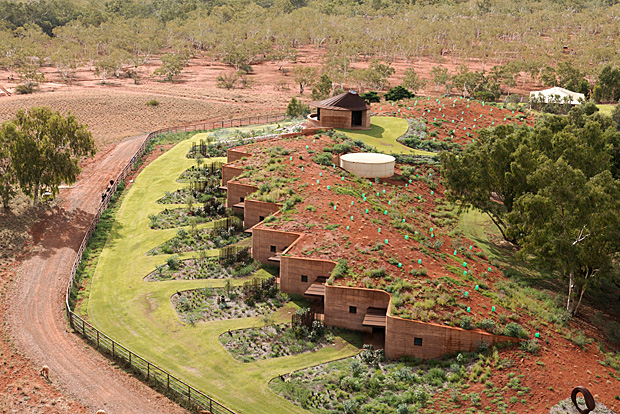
x,y
356,118
241,199
318,114
304,278
417,341
272,248
352,309
261,218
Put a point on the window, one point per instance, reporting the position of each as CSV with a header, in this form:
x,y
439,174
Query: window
x,y
304,278
272,248
261,218
241,199
417,341
352,309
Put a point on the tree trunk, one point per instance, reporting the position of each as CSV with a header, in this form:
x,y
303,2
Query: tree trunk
x,y
36,194
573,291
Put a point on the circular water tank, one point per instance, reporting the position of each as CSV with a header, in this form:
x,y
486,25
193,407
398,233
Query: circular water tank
x,y
368,164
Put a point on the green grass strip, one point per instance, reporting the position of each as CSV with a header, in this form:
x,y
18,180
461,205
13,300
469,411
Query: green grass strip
x,y
383,134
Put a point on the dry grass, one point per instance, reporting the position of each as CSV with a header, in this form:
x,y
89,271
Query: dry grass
x,y
112,115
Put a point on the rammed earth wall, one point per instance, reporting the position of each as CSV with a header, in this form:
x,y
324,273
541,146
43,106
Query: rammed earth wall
x,y
256,211
339,301
293,270
268,243
435,340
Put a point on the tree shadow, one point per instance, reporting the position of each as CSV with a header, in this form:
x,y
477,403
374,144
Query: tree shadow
x,y
59,229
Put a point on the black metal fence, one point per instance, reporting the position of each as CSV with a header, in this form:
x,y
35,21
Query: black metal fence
x,y
154,375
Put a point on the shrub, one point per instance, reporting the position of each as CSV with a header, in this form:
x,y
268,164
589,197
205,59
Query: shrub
x,y
24,89
484,96
377,273
324,158
152,102
403,409
398,93
530,346
589,108
356,368
467,323
515,330
370,97
514,99
421,397
297,108
173,262
488,325
349,406
318,331
340,270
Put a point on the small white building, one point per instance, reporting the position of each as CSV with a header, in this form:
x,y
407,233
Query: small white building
x,y
558,95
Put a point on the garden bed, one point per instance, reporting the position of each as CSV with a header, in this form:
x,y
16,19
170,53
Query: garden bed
x,y
229,302
368,383
211,173
204,268
178,217
187,195
273,341
203,239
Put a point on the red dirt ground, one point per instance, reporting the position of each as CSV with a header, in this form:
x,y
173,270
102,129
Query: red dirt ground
x,y
460,118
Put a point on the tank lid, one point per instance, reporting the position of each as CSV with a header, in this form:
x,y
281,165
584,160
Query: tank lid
x,y
368,158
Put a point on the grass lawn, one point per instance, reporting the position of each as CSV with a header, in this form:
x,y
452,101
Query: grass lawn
x,y
605,109
140,315
383,133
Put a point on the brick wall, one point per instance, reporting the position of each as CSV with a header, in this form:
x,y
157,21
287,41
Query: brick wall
x,y
292,269
263,240
236,192
255,211
228,173
338,300
437,340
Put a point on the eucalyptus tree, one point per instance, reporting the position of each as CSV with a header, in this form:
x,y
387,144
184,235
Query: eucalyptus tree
x,y
44,148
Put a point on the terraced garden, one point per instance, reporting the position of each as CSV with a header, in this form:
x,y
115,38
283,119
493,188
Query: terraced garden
x,y
138,307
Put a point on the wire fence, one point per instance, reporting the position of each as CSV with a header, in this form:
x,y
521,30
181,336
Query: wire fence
x,y
155,376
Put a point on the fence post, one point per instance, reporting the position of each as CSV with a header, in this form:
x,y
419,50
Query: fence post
x,y
83,329
148,370
113,349
168,383
97,339
189,394
129,352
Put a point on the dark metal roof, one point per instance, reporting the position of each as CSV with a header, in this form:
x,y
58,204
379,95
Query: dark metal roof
x,y
348,101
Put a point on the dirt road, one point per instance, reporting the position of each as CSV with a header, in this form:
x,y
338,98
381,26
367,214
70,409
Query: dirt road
x,y
36,318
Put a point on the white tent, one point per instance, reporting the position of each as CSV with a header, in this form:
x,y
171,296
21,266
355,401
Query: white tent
x,y
559,94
